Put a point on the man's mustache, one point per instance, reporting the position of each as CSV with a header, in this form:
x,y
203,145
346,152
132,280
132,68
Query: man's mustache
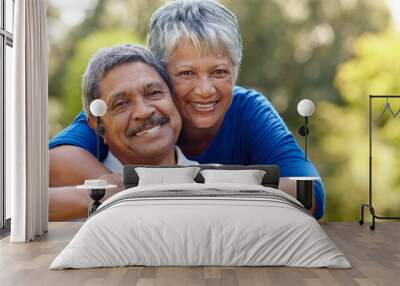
x,y
148,123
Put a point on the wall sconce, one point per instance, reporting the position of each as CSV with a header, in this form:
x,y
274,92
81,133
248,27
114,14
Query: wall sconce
x,y
305,108
97,188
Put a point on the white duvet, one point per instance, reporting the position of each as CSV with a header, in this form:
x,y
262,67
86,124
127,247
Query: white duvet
x,y
201,224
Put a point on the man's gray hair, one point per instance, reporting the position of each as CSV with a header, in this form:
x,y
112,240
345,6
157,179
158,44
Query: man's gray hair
x,y
206,23
106,59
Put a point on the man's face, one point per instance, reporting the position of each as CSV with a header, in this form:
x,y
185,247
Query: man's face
x,y
142,123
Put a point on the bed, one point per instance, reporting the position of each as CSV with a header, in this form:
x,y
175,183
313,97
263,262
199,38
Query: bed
x,y
201,224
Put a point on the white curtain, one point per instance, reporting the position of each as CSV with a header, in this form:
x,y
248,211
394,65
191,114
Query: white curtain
x,y
26,124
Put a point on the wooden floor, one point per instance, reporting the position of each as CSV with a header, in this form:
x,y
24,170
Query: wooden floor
x,y
374,255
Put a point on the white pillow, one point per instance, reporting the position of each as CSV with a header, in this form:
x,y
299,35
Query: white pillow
x,y
163,176
248,177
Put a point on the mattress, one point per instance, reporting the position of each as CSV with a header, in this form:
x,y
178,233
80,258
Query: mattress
x,y
201,225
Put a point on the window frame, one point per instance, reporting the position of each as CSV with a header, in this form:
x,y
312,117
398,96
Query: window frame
x,y
6,39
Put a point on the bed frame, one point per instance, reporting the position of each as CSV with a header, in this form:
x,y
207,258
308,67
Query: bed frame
x,y
270,179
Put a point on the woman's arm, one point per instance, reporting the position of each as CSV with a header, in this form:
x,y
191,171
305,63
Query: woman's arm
x,y
70,165
269,141
68,203
289,187
72,154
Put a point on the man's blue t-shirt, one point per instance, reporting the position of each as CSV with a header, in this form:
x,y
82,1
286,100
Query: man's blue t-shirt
x,y
252,133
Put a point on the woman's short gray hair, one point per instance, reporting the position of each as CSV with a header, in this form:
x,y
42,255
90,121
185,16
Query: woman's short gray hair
x,y
205,22
106,59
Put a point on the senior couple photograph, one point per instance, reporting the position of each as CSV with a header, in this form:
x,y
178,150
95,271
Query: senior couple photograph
x,y
174,102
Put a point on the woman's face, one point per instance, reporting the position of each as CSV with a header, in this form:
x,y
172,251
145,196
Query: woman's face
x,y
202,83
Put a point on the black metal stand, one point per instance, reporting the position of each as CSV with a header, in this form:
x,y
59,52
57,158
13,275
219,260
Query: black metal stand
x,y
305,138
303,131
97,138
369,205
96,195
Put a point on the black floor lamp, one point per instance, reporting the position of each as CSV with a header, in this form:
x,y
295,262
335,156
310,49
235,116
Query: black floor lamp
x,y
304,185
97,188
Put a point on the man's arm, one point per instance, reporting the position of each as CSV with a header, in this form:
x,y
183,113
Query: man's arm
x,y
71,203
70,165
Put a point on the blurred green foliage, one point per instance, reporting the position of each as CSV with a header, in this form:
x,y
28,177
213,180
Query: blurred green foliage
x,y
333,52
373,69
71,92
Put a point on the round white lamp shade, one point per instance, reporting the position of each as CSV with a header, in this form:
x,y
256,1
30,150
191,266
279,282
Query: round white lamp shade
x,y
98,107
305,107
